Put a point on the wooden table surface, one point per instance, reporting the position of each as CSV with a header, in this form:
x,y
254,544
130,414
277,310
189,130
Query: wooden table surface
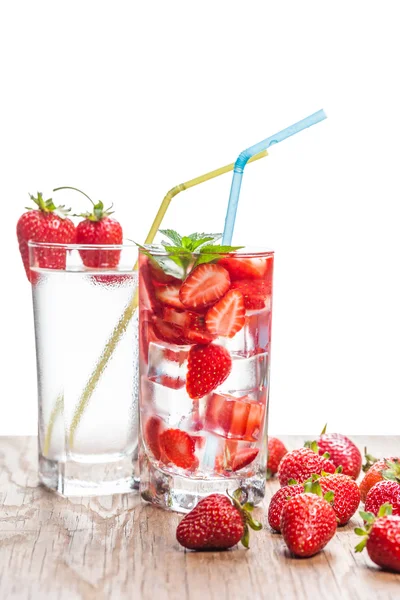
x,y
118,547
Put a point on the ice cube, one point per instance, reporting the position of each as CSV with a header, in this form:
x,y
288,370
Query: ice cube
x,y
253,338
247,374
168,398
234,418
168,360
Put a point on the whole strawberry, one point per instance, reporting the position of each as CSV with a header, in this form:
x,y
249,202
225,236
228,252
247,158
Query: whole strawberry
x,y
342,452
346,494
383,492
217,522
386,468
47,223
278,501
276,451
302,463
381,536
308,523
100,229
208,367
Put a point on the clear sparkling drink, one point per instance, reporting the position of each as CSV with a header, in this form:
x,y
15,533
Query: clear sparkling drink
x,y
88,407
204,353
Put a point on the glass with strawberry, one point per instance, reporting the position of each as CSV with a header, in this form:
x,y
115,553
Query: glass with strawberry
x,y
204,353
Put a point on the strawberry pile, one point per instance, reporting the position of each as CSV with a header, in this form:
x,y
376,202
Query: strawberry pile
x,y
49,224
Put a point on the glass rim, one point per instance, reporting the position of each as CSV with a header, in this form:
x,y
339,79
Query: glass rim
x,y
245,252
56,245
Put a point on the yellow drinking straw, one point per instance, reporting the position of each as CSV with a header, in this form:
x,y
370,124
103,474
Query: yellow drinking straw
x,y
126,316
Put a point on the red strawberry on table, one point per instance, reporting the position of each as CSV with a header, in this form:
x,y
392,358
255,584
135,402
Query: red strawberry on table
x,y
301,464
342,452
227,316
381,536
217,523
386,468
279,500
178,447
208,367
98,228
276,451
204,286
308,523
383,492
47,223
346,493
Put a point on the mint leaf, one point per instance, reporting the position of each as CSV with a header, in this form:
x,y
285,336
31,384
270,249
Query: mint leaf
x,y
168,265
219,249
200,236
172,235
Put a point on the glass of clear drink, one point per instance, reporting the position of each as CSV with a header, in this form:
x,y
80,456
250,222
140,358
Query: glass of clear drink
x,y
86,330
204,354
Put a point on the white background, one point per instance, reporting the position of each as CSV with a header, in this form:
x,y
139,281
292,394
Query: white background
x,y
126,99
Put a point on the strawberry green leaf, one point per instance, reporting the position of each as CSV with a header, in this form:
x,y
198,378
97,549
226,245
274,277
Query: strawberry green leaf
x,y
339,469
313,446
359,531
360,547
329,497
269,474
367,516
246,537
292,482
385,510
369,461
324,429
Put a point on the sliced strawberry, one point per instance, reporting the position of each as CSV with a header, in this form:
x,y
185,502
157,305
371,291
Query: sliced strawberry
x,y
208,367
206,284
176,317
196,331
192,324
168,332
243,457
178,447
172,382
169,295
245,268
254,422
227,316
233,417
152,434
256,294
146,289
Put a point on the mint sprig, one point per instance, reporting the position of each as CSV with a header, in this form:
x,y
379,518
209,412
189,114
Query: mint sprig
x,y
180,252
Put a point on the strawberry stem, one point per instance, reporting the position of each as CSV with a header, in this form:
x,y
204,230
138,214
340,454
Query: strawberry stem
x,y
67,187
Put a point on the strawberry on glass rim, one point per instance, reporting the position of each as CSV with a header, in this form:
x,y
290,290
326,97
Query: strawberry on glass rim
x,y
98,228
45,224
205,314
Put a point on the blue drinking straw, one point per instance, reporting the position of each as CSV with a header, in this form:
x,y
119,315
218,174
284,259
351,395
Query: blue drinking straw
x,y
243,159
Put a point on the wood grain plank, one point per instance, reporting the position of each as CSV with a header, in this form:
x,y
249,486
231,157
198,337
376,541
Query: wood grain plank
x,y
117,547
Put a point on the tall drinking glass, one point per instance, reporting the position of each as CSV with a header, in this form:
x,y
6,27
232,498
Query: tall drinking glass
x,y
87,373
204,357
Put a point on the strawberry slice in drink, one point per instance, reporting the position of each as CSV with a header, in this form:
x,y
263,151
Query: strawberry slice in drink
x,y
168,332
243,457
193,325
152,432
234,418
256,294
227,316
208,367
169,295
204,286
245,268
179,447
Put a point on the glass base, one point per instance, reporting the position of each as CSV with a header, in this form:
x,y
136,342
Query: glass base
x,y
181,494
73,478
